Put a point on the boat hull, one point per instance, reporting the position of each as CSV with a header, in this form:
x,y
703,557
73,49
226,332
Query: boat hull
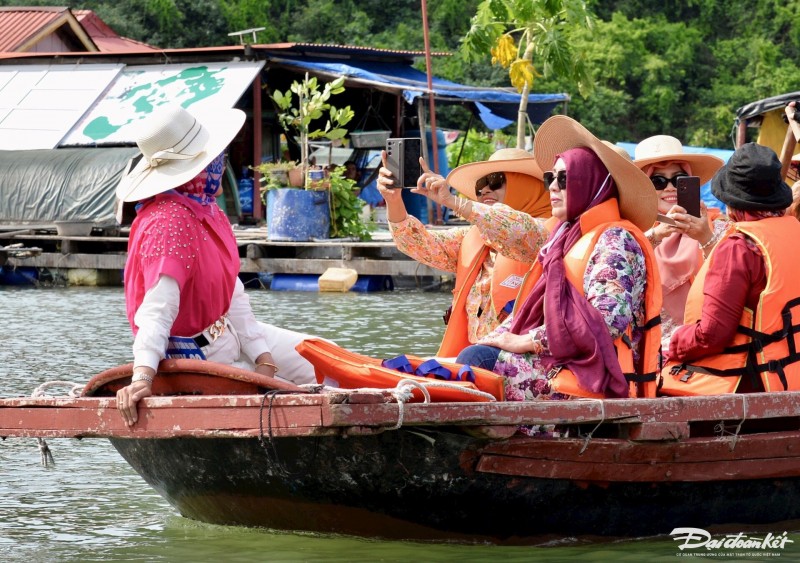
x,y
424,483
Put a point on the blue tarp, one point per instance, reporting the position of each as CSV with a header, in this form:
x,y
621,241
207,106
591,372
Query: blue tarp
x,y
496,107
705,189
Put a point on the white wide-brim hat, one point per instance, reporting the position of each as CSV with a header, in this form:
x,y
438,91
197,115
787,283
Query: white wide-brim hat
x,y
176,146
638,201
665,148
464,177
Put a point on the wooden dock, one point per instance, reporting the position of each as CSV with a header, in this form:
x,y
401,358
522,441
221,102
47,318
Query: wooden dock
x,y
106,252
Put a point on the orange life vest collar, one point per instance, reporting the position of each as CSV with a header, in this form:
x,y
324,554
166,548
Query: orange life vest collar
x,y
507,278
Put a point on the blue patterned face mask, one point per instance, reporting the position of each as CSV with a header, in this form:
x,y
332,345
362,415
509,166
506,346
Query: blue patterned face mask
x,y
206,186
214,172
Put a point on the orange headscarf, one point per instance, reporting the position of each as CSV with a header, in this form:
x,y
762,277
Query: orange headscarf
x,y
528,194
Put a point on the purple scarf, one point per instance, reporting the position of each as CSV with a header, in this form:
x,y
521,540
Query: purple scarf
x,y
577,334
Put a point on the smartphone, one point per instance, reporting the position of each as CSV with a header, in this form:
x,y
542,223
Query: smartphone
x,y
402,158
689,194
664,219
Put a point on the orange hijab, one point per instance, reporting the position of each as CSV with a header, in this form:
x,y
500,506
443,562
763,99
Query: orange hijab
x,y
528,194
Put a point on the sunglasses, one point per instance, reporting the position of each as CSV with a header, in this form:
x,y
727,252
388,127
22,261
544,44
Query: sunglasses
x,y
561,177
494,181
661,182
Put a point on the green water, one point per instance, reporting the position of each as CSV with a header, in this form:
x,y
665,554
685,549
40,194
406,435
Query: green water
x,y
93,507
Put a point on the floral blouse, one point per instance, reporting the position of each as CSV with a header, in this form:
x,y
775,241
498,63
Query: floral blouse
x,y
513,233
614,283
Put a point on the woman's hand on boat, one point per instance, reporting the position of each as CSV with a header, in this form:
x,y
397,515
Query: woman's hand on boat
x,y
265,365
128,397
515,343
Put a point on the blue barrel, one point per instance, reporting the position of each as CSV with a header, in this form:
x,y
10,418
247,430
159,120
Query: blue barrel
x,y
246,192
297,215
295,282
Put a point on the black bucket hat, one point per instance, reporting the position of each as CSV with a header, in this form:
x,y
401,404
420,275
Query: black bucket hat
x,y
751,180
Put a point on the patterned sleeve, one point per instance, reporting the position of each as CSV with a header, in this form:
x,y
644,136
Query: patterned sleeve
x,y
615,280
512,233
437,249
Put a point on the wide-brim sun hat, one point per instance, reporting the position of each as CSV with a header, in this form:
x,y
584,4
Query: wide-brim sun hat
x,y
752,181
176,145
638,201
463,178
665,148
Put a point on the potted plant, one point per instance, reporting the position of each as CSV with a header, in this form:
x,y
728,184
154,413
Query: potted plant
x,y
304,214
303,105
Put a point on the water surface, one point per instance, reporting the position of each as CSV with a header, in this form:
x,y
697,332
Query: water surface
x,y
93,507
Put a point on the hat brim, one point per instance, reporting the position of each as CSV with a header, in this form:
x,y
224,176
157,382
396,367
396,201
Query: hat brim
x,y
703,165
464,177
638,201
218,130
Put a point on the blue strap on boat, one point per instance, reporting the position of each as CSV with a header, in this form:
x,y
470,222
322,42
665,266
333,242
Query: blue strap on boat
x,y
433,368
183,348
465,373
400,363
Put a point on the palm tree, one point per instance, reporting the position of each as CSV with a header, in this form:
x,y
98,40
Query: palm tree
x,y
531,39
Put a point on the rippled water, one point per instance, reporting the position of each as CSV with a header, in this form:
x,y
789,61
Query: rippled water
x,y
93,507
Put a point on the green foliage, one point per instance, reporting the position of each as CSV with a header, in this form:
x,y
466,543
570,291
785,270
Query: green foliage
x,y
531,40
346,208
308,104
476,147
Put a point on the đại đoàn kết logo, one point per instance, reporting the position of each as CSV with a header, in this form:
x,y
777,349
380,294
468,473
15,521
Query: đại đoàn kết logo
x,y
696,542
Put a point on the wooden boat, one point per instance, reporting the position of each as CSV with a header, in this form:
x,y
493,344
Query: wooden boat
x,y
228,446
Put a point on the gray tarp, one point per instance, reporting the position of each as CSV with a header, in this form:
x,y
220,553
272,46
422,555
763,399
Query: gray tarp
x,y
38,187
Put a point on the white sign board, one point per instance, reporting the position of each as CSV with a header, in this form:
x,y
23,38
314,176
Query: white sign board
x,y
39,104
138,90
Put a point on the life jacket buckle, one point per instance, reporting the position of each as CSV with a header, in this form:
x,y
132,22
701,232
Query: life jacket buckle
x,y
686,376
553,372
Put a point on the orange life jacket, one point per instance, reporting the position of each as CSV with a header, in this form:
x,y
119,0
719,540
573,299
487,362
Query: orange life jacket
x,y
766,344
642,378
507,277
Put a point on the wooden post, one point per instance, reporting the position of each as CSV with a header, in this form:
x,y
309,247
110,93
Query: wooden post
x,y
258,129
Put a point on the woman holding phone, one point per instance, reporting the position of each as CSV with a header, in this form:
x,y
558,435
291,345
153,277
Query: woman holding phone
x,y
504,197
681,240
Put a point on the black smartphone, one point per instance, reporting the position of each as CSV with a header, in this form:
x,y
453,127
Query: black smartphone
x,y
402,158
689,194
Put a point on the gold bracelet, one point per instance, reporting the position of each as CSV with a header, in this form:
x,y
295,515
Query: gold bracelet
x,y
710,242
268,364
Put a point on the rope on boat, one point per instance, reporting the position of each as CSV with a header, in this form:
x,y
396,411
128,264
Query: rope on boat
x,y
602,420
271,451
722,431
74,392
403,392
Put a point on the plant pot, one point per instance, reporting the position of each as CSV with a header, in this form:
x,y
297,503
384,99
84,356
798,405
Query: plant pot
x,y
74,228
297,215
279,176
296,177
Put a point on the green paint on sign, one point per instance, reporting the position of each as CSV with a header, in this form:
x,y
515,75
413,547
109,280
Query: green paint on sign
x,y
187,87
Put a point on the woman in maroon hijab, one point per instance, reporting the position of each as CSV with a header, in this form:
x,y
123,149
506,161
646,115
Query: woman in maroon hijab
x,y
594,285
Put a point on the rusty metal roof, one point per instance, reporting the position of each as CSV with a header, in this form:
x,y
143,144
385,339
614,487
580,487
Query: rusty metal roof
x,y
21,28
106,38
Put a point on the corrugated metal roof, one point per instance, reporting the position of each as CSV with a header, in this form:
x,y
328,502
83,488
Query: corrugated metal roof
x,y
106,38
19,25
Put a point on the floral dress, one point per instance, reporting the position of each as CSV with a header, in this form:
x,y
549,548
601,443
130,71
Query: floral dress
x,y
614,283
515,234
